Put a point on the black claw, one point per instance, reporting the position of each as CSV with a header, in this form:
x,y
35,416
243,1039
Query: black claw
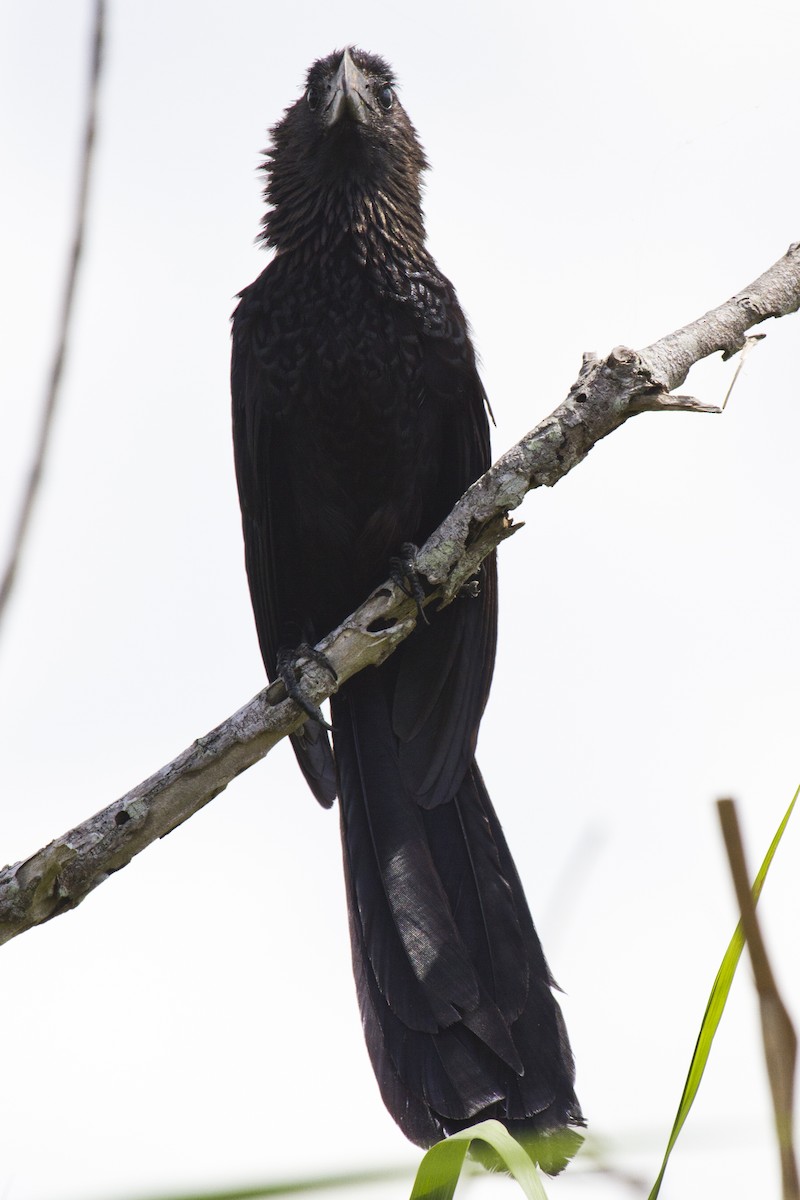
x,y
289,672
404,574
304,650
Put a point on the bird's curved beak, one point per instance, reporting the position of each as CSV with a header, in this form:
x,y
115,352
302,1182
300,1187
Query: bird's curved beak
x,y
349,90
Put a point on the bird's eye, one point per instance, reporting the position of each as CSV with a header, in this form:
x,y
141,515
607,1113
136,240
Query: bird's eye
x,y
385,97
312,98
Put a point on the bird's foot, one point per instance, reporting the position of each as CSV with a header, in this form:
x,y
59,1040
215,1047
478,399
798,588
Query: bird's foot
x,y
404,574
289,662
471,588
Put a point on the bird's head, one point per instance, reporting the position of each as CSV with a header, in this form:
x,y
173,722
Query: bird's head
x,y
343,153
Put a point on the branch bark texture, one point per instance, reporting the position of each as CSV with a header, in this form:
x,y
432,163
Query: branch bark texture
x,y
607,392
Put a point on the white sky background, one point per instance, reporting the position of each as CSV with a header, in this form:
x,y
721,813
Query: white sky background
x,y
602,173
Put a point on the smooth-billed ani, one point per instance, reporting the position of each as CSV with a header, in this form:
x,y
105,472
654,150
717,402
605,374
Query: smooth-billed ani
x,y
359,419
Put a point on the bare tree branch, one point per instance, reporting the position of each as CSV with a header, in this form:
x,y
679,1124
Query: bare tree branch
x,y
606,394
36,471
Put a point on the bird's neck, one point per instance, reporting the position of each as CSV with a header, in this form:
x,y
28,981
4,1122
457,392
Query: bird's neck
x,y
379,229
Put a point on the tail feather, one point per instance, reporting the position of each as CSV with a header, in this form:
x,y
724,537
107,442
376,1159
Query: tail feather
x,y
483,905
438,696
412,940
455,993
425,1079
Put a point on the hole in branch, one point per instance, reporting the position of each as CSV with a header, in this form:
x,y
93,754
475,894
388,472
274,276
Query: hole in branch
x,y
381,624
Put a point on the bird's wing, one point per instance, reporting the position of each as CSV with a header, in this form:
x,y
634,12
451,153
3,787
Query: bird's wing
x,y
443,672
261,468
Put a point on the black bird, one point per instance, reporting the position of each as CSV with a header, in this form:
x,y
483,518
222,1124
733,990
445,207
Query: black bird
x,y
358,420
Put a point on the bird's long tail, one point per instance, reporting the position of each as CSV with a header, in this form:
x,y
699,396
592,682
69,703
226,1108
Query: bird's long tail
x,y
455,994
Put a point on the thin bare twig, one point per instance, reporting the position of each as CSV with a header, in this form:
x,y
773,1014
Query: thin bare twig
x,y
606,394
36,471
780,1040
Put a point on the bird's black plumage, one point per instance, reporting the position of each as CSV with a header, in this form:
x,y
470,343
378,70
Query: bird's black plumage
x,y
359,419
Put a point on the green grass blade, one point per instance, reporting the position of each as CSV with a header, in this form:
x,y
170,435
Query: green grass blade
x,y
716,1006
440,1168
